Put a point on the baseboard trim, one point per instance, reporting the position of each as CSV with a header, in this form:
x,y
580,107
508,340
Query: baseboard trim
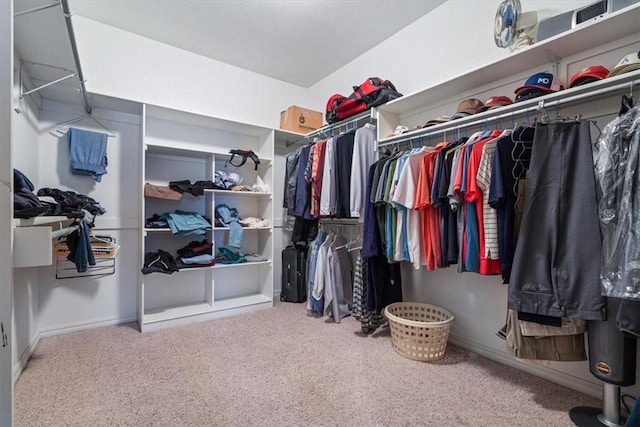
x,y
593,389
81,326
25,356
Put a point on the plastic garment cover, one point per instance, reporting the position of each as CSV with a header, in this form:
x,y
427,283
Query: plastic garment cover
x,y
617,171
290,181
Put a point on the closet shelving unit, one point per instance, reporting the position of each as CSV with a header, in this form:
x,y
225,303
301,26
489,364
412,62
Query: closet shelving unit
x,y
184,146
495,78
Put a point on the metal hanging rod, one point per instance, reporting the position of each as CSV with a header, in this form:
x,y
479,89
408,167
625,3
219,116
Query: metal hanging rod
x,y
538,107
329,130
76,57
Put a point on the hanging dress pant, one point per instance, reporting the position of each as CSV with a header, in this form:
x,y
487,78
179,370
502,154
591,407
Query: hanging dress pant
x,y
554,270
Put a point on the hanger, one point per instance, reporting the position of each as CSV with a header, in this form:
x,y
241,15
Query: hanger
x,y
60,127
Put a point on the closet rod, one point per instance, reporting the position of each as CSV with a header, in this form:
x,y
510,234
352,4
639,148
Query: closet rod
x,y
72,39
64,231
540,106
330,128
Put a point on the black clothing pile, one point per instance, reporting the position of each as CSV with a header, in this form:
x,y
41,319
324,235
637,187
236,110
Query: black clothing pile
x,y
25,203
195,189
70,201
196,254
159,262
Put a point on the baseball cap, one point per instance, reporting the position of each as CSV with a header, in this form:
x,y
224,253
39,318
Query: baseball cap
x,y
525,94
540,81
437,120
494,102
399,130
628,63
467,107
588,75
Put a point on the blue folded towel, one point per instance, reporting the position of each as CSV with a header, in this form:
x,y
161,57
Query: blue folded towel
x,y
88,153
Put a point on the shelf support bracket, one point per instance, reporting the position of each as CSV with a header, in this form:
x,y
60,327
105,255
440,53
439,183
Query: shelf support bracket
x,y
61,79
555,63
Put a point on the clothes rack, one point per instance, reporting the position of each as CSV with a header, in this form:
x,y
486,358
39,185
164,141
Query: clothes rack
x,y
553,100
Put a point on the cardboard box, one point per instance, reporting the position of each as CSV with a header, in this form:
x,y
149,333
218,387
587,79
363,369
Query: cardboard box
x,y
301,120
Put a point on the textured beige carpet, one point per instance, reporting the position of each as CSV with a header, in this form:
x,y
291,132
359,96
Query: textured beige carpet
x,y
275,367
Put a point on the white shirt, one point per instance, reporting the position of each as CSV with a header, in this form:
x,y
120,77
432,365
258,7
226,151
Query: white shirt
x,y
364,155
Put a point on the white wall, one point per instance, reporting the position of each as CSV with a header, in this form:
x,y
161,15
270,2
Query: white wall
x,y
6,214
453,39
25,280
69,304
124,65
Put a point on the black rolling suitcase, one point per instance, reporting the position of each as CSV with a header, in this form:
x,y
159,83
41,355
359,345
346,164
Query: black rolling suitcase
x,y
294,274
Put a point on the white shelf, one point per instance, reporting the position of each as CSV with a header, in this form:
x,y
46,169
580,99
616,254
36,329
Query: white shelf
x,y
39,220
242,301
287,137
593,90
240,264
199,153
168,313
240,193
623,23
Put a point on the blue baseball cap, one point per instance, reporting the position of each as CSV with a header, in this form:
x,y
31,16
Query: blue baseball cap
x,y
539,81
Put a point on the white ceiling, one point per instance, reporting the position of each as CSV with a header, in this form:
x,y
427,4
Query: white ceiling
x,y
297,41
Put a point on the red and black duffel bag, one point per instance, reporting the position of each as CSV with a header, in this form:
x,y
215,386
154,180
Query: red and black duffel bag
x,y
373,92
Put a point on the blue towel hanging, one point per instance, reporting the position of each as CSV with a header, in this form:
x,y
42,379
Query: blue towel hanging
x,y
88,153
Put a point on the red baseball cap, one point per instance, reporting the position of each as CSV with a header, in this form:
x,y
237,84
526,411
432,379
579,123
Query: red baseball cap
x,y
588,75
494,102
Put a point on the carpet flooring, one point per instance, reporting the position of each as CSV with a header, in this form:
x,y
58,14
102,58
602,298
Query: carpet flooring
x,y
275,367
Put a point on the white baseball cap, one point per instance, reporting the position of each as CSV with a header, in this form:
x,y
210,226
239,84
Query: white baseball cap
x,y
628,63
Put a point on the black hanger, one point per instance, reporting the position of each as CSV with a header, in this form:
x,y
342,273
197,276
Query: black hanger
x,y
626,104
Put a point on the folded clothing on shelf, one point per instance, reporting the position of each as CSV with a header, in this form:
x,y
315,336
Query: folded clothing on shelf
x,y
156,222
195,248
159,262
195,189
228,256
161,192
224,180
253,222
255,258
186,223
196,254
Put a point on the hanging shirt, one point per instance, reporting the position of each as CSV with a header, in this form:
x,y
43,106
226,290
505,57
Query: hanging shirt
x,y
303,202
326,194
405,195
364,155
474,197
343,160
430,214
317,170
510,163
